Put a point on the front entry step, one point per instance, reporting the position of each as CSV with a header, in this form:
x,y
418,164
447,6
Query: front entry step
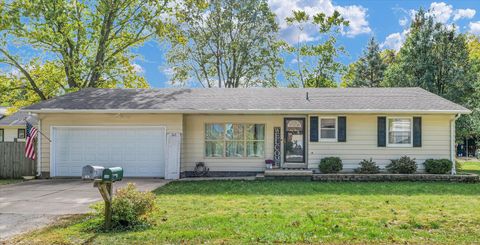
x,y
288,174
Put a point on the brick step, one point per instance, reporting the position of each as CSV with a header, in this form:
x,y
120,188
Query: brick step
x,y
288,173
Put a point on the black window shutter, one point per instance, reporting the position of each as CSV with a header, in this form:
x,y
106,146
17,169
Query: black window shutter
x,y
313,129
342,129
417,132
382,131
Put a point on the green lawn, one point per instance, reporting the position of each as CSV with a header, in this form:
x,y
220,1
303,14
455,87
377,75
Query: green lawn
x,y
9,181
294,212
471,167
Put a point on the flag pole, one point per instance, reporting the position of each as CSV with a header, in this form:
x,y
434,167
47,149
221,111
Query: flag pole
x,y
25,119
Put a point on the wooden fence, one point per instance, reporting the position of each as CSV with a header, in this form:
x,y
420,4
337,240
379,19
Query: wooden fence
x,y
13,163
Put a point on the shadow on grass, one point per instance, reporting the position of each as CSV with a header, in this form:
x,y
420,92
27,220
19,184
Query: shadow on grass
x,y
218,187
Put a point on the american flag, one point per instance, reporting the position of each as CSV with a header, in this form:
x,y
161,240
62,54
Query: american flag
x,y
29,145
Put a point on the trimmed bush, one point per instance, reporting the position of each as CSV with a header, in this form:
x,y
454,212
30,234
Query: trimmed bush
x,y
367,167
437,166
404,165
330,165
130,208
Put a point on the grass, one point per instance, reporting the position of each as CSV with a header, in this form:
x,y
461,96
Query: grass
x,y
235,212
471,167
9,181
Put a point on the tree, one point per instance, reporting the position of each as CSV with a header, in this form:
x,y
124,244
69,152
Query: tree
x,y
90,41
370,67
468,126
229,43
316,63
14,87
435,58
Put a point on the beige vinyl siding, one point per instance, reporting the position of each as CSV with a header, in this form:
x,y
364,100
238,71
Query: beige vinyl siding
x,y
362,143
173,123
194,143
11,133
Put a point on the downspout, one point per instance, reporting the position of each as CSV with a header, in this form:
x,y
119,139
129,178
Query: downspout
x,y
39,149
452,143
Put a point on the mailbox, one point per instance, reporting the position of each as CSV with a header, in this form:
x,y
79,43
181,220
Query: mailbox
x,y
90,172
112,174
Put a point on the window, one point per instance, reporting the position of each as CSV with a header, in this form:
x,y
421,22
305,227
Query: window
x,y
2,135
399,131
234,140
21,133
328,128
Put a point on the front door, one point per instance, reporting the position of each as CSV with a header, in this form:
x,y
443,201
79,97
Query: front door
x,y
294,145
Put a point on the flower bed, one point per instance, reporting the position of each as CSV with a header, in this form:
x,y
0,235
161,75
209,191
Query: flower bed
x,y
472,178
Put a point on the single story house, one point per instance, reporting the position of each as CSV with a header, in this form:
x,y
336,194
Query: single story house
x,y
165,132
12,127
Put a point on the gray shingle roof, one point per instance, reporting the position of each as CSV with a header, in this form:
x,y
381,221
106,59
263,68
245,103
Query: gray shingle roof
x,y
274,100
16,119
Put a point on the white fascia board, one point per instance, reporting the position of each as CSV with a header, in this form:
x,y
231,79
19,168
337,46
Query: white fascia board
x,y
253,111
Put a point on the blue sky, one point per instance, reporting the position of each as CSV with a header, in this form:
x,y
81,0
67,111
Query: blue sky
x,y
388,21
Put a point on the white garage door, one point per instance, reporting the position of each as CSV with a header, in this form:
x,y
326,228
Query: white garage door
x,y
140,151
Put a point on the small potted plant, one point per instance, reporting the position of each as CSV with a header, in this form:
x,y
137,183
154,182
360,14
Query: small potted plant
x,y
269,163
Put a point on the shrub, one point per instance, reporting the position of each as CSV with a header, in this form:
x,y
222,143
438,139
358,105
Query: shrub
x,y
437,166
130,207
367,167
330,165
404,165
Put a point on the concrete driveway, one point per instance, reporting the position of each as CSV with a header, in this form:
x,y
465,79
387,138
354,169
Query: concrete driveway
x,y
34,204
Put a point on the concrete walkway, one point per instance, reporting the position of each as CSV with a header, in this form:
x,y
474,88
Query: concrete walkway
x,y
34,204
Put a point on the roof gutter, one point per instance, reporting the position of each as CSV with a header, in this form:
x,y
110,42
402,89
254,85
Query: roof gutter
x,y
253,111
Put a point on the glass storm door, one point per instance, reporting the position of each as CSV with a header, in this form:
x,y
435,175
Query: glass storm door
x,y
294,140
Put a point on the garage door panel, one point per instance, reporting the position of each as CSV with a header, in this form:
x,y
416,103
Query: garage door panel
x,y
139,150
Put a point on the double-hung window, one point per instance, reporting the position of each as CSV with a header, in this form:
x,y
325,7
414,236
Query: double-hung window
x,y
21,133
399,131
328,128
233,140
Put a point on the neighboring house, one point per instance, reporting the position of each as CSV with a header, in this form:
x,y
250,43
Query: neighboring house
x,y
12,128
161,132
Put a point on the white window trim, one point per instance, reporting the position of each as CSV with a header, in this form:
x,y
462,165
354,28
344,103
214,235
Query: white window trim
x,y
320,139
388,133
225,141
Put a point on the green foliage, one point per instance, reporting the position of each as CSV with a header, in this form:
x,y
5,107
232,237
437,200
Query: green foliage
x,y
131,208
468,126
404,165
437,166
228,43
370,67
330,165
87,42
434,57
317,63
367,167
16,92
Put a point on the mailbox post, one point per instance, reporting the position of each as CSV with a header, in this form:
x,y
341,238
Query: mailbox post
x,y
104,183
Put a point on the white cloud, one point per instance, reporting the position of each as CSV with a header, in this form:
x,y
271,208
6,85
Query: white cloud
x,y
355,14
403,22
441,12
464,14
138,68
395,40
357,17
474,28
